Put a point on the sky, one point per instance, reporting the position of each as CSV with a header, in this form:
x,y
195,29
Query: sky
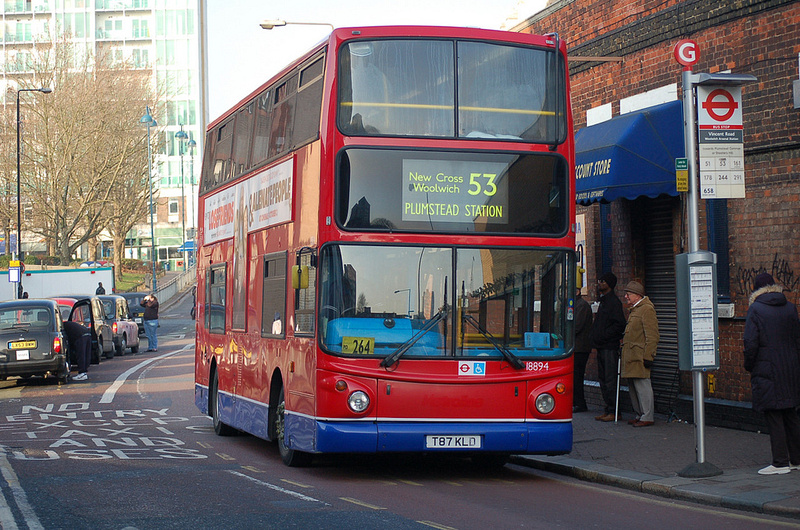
x,y
242,56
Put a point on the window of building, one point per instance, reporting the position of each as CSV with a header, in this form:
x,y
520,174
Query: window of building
x,y
717,214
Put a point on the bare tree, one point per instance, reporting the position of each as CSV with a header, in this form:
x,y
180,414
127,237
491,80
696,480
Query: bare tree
x,y
86,148
8,175
129,202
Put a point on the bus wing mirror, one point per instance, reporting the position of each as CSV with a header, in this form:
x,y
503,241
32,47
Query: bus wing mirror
x,y
300,277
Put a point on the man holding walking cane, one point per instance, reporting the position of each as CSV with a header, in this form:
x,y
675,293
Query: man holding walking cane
x,y
607,330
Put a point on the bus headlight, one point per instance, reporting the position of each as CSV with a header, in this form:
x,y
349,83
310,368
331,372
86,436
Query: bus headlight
x,y
545,403
358,401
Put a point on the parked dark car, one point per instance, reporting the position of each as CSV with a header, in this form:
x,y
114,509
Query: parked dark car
x,y
135,306
31,340
88,310
124,329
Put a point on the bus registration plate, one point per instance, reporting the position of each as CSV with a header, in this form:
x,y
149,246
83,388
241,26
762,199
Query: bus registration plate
x,y
362,345
436,441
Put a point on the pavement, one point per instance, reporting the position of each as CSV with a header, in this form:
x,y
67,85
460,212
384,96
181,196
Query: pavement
x,y
649,460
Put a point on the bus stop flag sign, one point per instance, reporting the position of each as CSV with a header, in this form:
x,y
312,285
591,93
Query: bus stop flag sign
x,y
14,273
720,141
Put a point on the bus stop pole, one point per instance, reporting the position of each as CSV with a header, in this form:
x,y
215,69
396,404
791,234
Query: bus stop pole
x,y
700,468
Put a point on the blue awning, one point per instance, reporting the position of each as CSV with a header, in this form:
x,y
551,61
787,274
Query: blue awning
x,y
630,156
187,247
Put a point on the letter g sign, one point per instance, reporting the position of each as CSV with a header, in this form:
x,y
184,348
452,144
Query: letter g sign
x,y
686,52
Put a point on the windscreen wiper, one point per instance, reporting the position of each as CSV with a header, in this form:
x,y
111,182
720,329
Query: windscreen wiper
x,y
392,358
512,359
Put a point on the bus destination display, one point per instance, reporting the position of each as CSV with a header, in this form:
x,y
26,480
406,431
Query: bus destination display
x,y
455,191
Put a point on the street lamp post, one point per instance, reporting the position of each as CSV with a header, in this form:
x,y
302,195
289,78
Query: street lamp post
x,y
191,145
275,23
409,299
182,137
149,121
43,90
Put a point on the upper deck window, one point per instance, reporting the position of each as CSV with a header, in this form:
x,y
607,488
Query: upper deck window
x,y
439,88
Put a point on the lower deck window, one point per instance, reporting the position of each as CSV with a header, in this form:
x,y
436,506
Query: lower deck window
x,y
273,305
215,299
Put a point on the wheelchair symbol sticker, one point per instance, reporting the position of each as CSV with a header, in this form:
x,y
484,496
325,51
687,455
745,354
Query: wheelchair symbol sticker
x,y
472,368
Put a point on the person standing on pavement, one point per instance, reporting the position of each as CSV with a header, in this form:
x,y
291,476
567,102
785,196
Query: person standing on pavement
x,y
100,289
150,320
80,340
772,356
607,330
583,346
638,352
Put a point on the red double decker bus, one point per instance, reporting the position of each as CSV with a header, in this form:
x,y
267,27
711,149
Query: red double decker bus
x,y
386,249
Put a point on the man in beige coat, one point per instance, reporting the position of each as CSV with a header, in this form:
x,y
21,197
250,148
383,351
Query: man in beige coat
x,y
638,351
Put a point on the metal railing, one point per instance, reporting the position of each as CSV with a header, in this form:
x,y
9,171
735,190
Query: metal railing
x,y
176,285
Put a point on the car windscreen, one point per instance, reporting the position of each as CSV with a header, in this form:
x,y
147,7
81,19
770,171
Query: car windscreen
x,y
15,318
134,301
108,307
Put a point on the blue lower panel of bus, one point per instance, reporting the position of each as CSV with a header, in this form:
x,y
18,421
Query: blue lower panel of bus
x,y
352,437
201,398
238,412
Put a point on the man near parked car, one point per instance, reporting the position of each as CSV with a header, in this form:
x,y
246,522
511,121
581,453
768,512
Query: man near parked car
x,y
80,340
100,288
150,318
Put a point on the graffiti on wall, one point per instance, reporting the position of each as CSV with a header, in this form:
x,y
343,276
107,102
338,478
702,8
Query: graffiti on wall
x,y
780,269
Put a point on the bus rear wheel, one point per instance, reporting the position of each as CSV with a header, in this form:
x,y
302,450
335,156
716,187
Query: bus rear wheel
x,y
290,457
220,428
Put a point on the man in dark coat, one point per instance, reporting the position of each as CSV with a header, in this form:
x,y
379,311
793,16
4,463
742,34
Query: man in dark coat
x,y
583,346
772,356
80,341
607,330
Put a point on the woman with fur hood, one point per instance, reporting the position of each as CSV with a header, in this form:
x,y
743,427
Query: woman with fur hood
x,y
772,356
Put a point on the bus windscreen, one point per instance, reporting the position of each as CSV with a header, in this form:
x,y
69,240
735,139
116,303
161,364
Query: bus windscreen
x,y
439,302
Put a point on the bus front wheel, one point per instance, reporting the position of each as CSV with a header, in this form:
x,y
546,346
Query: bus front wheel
x,y
290,457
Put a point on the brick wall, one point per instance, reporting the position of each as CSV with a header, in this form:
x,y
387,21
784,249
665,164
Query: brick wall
x,y
761,38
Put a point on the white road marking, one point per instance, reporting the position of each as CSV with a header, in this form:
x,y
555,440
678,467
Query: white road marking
x,y
7,521
111,392
277,488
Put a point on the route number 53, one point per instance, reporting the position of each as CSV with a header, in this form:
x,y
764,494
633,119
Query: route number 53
x,y
478,186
